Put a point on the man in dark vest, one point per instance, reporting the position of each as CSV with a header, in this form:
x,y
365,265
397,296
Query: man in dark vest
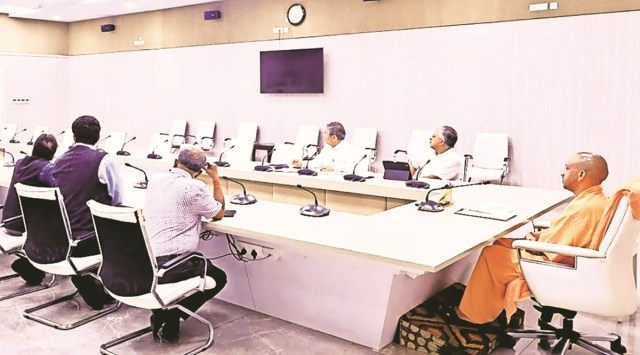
x,y
84,173
31,170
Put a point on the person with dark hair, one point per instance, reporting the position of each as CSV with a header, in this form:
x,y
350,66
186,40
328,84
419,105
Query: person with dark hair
x,y
446,163
337,154
30,170
85,173
497,283
174,206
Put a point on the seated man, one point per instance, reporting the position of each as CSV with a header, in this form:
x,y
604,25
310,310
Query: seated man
x,y
84,173
31,170
174,206
445,165
337,154
497,282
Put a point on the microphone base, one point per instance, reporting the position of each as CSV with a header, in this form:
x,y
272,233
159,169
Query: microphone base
x,y
241,199
123,152
354,177
14,141
307,172
313,210
279,166
140,185
9,165
154,156
263,168
430,206
30,143
417,184
222,164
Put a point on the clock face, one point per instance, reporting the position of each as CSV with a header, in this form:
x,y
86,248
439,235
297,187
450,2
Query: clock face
x,y
296,14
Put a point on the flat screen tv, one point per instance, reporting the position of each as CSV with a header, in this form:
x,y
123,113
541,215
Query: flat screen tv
x,y
292,71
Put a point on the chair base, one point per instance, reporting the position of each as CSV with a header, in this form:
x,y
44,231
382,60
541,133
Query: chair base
x,y
29,313
566,336
104,348
26,290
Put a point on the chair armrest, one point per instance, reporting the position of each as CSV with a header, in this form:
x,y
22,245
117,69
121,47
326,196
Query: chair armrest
x,y
82,237
556,249
162,269
539,225
11,220
468,156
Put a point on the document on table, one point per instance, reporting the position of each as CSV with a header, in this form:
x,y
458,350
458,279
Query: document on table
x,y
490,210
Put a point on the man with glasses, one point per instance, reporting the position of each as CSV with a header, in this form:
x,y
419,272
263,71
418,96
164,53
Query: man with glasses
x,y
445,165
337,154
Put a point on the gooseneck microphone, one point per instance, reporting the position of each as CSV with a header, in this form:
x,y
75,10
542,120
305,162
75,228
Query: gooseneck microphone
x,y
313,209
140,184
415,183
221,163
434,206
122,151
243,198
353,176
306,170
263,167
11,163
13,139
153,154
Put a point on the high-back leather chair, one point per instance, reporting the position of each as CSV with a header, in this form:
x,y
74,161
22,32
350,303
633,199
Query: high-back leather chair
x,y
600,282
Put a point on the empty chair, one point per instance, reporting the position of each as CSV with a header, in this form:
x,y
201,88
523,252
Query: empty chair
x,y
205,134
113,143
306,144
7,133
243,144
159,146
364,142
600,282
49,247
490,158
177,133
132,276
37,132
418,150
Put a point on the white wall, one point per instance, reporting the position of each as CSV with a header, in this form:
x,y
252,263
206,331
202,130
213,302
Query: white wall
x,y
556,86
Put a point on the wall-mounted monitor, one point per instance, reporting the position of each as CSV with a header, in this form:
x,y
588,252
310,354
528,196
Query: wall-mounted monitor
x,y
292,71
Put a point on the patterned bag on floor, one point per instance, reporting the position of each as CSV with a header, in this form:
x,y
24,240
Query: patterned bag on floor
x,y
427,328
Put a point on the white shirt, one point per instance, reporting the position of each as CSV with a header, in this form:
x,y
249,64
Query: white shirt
x,y
174,206
341,157
445,165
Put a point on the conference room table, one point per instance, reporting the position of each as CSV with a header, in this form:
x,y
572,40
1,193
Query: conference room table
x,y
351,274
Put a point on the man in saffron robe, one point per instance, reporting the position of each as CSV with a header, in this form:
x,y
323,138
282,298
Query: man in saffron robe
x,y
497,282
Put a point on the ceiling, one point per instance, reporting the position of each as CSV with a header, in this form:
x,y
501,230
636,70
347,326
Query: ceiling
x,y
78,10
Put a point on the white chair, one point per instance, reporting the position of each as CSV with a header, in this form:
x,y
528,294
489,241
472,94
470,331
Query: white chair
x,y
113,143
242,144
204,135
134,279
7,133
177,133
37,132
159,146
490,158
364,141
306,142
601,282
49,247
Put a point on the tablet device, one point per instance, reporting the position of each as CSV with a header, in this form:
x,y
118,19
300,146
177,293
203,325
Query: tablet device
x,y
396,170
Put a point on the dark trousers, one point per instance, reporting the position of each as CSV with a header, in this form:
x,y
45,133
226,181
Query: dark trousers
x,y
90,288
191,268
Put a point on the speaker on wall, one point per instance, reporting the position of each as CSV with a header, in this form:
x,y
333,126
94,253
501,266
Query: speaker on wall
x,y
109,27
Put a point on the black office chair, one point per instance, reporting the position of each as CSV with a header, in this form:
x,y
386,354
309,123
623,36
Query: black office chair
x,y
49,246
12,245
130,273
